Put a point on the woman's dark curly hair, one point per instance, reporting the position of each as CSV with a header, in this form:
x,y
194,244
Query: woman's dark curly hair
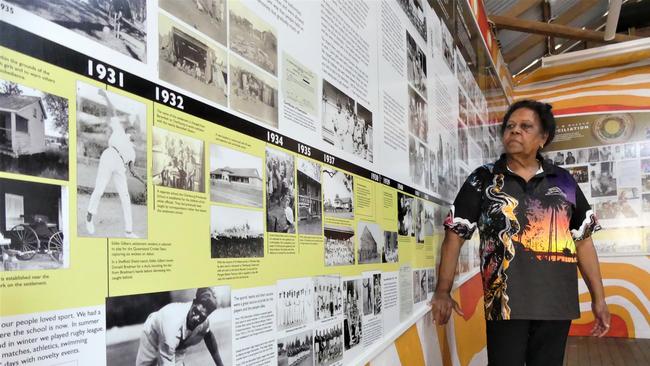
x,y
543,111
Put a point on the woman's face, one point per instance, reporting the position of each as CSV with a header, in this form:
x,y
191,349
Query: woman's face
x,y
523,133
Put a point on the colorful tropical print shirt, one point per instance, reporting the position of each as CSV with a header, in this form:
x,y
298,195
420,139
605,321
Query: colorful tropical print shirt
x,y
527,232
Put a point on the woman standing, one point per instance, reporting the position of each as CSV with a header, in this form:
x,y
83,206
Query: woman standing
x,y
113,163
535,226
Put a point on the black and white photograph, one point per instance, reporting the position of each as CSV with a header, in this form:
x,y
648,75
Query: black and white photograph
x,y
338,245
184,327
431,280
645,202
447,47
580,173
295,303
207,16
417,116
253,38
605,153
33,132
296,350
419,285
427,217
644,149
645,166
463,144
117,24
352,331
602,179
236,233
376,280
347,125
419,161
416,66
328,297
593,156
371,243
391,250
619,152
338,194
405,215
310,202
34,226
192,62
253,92
630,151
280,201
328,345
645,183
368,296
235,177
582,156
111,164
414,10
178,161
617,208
418,220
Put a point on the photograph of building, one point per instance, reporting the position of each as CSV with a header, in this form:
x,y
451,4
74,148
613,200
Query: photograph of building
x,y
371,243
207,16
235,177
253,92
338,193
310,202
253,38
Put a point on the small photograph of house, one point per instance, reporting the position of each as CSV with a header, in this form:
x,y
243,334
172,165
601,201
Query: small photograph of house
x,y
235,177
33,132
310,202
338,192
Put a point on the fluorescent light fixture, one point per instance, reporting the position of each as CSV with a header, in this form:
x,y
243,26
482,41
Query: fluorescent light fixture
x,y
557,46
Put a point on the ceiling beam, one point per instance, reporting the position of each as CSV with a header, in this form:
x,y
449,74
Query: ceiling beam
x,y
554,30
520,7
533,39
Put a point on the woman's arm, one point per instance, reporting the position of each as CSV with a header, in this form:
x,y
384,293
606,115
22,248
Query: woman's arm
x,y
590,270
442,303
109,104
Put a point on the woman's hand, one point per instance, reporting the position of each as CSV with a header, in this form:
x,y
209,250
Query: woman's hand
x,y
602,319
441,306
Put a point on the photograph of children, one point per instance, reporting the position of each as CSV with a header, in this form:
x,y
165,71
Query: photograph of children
x,y
34,226
605,153
645,183
295,303
582,157
310,215
414,10
352,331
391,250
206,16
235,177
178,161
644,149
630,151
339,245
594,156
418,220
617,208
416,66
118,24
280,201
236,233
253,38
328,345
253,92
602,179
328,297
417,116
431,281
182,327
405,215
370,242
580,173
33,132
347,125
645,166
192,62
111,164
338,194
296,350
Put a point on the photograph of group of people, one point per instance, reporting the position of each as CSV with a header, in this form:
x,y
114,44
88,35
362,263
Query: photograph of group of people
x,y
296,350
295,303
236,232
111,164
120,25
177,161
391,249
328,297
347,125
595,154
280,201
328,345
414,10
339,245
417,116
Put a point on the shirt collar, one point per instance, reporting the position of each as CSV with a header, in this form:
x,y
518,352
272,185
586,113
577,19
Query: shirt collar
x,y
501,166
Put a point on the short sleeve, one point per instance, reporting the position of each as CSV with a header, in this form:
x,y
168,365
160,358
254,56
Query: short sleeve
x,y
464,213
583,221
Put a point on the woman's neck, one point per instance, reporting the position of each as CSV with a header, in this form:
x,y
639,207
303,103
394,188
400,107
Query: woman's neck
x,y
525,166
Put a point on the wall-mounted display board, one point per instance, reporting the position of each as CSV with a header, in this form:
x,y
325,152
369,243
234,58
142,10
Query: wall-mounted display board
x,y
237,183
608,154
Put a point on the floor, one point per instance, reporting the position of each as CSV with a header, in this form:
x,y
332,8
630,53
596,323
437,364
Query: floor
x,y
607,351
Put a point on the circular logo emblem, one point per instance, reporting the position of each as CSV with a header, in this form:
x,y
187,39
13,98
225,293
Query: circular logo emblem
x,y
613,128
